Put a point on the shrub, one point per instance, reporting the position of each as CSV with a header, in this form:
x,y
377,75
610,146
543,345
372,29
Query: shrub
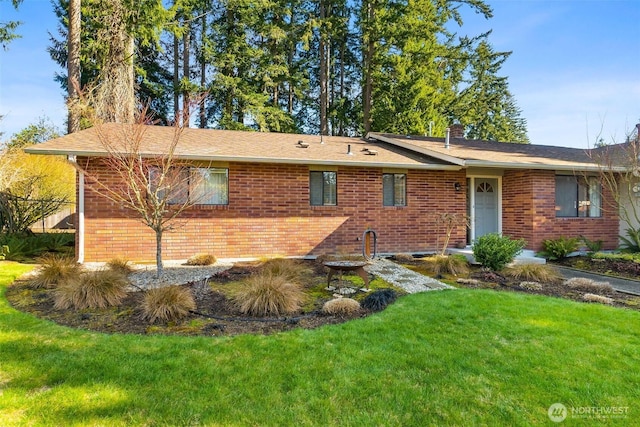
x,y
4,251
495,251
530,286
201,259
120,265
169,303
597,298
556,249
22,247
592,245
91,289
533,273
379,300
267,294
55,269
404,257
290,269
57,242
588,285
341,306
449,264
631,243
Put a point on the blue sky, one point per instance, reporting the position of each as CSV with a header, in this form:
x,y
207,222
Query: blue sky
x,y
574,71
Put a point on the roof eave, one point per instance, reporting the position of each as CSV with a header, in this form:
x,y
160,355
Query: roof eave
x,y
540,166
351,163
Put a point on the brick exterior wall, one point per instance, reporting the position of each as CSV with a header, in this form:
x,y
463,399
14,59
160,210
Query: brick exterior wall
x,y
528,200
269,214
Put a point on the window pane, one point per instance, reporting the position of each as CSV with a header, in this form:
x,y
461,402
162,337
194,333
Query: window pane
x,y
400,189
330,188
566,196
209,186
387,189
595,209
315,188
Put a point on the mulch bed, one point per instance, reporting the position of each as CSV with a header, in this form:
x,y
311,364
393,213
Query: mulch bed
x,y
215,314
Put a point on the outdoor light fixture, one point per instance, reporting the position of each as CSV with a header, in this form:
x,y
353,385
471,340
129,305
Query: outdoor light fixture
x,y
457,186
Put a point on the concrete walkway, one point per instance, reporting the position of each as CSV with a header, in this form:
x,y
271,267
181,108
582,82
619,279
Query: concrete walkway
x,y
622,285
404,278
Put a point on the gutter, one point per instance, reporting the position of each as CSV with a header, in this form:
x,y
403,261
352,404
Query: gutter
x,y
79,211
266,160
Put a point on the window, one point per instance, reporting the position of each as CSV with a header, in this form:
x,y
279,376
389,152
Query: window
x,y
323,188
394,189
578,197
199,186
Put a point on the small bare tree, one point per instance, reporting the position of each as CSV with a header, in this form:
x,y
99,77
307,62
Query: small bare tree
x,y
619,173
154,185
449,222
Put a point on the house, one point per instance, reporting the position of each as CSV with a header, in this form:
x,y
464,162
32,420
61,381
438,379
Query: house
x,y
303,195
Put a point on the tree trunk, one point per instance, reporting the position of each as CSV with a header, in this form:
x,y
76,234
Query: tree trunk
x,y
159,266
324,70
203,70
73,65
369,46
186,75
176,79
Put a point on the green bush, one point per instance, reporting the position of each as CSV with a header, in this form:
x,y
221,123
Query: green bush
x,y
494,251
556,249
4,252
631,243
592,245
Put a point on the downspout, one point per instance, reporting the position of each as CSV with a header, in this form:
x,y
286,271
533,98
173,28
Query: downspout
x,y
80,211
447,136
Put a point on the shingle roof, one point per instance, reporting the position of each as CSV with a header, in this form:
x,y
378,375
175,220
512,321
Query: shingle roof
x,y
494,154
391,150
225,145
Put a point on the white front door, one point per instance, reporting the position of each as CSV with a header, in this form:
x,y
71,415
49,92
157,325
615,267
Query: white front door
x,y
485,206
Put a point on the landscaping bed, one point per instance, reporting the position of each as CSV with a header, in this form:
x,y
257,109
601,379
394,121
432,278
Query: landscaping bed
x,y
215,313
481,278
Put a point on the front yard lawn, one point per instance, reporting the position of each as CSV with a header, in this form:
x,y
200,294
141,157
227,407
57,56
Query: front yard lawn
x,y
462,357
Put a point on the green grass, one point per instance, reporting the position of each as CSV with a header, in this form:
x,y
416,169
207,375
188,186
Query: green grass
x,y
460,357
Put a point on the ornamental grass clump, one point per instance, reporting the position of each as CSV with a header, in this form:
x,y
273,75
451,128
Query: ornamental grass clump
x,y
266,294
91,289
201,259
588,285
533,273
494,251
55,269
449,264
120,265
167,304
341,306
379,300
597,298
288,268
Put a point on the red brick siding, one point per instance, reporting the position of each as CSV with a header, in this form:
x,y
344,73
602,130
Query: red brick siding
x,y
269,214
528,200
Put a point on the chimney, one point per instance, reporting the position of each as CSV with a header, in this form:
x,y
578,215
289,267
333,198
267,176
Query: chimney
x,y
457,130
